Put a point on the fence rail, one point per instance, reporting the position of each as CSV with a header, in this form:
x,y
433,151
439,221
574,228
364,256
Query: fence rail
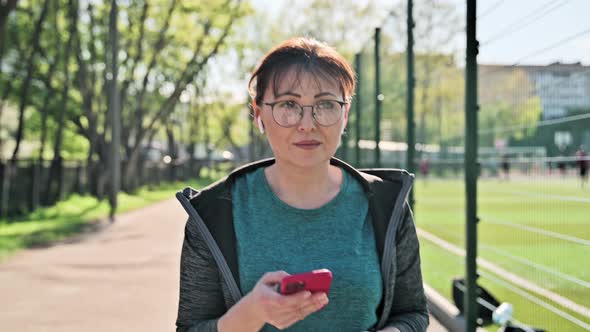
x,y
26,184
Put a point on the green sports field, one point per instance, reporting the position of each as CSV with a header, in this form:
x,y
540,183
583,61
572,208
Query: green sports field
x,y
535,228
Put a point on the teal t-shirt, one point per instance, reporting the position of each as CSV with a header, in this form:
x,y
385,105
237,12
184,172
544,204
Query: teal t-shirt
x,y
272,235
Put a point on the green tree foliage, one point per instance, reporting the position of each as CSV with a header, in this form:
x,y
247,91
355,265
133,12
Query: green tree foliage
x,y
343,24
507,100
164,45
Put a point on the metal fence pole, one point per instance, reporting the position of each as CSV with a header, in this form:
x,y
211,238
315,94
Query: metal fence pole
x,y
471,168
357,108
411,83
378,99
344,147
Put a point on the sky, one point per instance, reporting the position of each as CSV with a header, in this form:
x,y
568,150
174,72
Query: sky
x,y
512,31
541,29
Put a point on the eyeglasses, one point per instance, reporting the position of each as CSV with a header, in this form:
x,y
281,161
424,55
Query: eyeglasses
x,y
289,113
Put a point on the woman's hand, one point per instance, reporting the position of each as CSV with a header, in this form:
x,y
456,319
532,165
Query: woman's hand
x,y
279,310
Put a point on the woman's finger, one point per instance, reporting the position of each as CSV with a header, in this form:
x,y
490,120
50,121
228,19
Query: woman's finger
x,y
298,313
315,303
273,277
303,301
294,300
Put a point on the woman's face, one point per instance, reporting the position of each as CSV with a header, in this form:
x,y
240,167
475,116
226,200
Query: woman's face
x,y
307,144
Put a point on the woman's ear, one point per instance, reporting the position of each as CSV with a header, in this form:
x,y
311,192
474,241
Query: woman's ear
x,y
345,118
257,118
260,125
254,108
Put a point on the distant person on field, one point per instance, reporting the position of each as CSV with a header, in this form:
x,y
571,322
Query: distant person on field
x,y
424,167
582,161
505,167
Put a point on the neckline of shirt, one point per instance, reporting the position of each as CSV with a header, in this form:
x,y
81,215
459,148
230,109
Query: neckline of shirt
x,y
305,212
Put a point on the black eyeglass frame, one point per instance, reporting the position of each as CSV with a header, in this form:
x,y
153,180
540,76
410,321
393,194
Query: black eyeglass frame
x,y
302,107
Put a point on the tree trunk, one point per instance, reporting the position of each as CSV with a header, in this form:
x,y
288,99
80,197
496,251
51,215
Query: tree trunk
x,y
38,166
193,138
37,189
6,178
86,79
142,169
172,153
91,170
56,168
24,96
207,141
226,125
130,172
191,161
115,119
5,185
5,8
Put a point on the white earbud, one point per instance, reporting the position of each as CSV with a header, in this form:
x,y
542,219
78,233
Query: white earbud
x,y
260,126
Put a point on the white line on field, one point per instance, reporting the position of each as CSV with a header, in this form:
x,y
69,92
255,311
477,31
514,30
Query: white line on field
x,y
527,262
492,220
547,196
566,303
537,301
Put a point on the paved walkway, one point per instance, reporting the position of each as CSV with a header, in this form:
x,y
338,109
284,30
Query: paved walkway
x,y
122,278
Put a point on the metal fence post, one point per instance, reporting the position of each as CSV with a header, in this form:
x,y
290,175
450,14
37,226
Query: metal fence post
x,y
378,99
471,171
410,84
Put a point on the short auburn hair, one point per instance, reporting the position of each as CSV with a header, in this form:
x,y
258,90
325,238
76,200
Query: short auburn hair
x,y
303,55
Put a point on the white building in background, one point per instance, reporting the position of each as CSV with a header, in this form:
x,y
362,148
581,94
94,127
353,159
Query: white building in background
x,y
560,86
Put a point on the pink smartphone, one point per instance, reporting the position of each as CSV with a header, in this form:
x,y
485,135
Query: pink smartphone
x,y
314,281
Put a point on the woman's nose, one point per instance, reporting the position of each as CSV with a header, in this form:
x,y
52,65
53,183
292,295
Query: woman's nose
x,y
307,122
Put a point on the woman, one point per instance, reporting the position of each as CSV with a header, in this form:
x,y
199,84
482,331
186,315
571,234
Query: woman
x,y
301,211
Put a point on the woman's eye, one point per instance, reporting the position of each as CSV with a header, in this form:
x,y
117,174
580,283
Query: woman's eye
x,y
288,104
325,104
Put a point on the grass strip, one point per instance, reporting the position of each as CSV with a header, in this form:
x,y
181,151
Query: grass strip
x,y
48,225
